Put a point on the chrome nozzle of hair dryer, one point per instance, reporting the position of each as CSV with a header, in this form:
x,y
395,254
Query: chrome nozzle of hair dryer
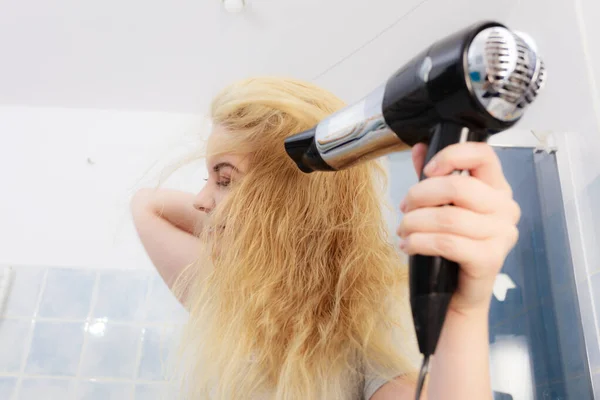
x,y
464,87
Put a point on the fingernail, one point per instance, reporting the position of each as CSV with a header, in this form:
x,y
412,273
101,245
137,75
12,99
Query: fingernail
x,y
402,244
430,167
403,205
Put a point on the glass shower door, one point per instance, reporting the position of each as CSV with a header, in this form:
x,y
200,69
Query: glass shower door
x,y
536,336
537,348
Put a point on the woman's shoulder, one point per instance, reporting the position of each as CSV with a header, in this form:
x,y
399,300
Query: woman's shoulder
x,y
371,385
377,374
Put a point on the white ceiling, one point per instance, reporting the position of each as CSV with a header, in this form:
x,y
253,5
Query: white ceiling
x,y
173,55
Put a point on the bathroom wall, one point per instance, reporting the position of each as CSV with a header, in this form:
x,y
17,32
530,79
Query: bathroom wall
x,y
56,187
88,334
68,174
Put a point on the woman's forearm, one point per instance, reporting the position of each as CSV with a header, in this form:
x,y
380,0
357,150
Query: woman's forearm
x,y
174,206
459,370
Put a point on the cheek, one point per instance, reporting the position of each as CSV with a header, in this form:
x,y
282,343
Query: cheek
x,y
219,196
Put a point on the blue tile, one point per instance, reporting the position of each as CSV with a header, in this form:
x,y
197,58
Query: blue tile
x,y
156,391
45,388
24,292
162,306
121,295
55,348
68,293
111,350
14,339
158,353
94,390
7,387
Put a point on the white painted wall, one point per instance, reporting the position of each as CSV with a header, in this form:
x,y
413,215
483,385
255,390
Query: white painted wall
x,y
57,209
566,32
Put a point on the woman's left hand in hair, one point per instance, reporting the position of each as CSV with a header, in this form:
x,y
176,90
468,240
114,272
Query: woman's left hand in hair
x,y
477,232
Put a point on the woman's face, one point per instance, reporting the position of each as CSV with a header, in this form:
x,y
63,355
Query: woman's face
x,y
222,171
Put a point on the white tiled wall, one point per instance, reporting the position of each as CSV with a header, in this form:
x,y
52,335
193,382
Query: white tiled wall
x,y
589,15
88,334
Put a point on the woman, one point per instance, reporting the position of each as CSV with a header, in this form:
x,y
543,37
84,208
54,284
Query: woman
x,y
293,288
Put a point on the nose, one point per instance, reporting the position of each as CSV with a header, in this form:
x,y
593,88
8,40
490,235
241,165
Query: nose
x,y
204,201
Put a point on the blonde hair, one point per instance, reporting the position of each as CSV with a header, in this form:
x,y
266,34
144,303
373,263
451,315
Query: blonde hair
x,y
305,289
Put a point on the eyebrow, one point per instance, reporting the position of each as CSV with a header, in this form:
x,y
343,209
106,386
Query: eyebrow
x,y
222,165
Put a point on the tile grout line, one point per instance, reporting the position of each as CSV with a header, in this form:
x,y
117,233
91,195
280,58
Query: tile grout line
x,y
138,355
29,340
7,278
74,386
139,323
93,301
101,379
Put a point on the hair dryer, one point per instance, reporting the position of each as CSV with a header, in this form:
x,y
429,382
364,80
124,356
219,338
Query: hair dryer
x,y
465,87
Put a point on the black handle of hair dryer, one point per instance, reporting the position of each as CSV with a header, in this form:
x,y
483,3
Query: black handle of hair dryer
x,y
433,280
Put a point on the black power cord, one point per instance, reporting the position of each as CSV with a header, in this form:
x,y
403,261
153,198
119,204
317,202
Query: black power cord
x,y
422,375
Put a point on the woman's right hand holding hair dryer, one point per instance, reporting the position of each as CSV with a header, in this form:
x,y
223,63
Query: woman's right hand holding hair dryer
x,y
477,232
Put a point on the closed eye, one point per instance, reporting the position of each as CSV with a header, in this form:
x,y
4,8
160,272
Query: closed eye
x,y
224,182
222,165
223,172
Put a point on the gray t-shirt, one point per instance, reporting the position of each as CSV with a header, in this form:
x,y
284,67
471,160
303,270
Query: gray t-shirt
x,y
366,386
371,385
361,390
358,389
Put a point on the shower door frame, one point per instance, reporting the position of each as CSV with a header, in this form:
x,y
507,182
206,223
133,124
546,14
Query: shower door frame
x,y
576,209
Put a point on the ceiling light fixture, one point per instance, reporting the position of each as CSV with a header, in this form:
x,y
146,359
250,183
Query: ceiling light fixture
x,y
234,6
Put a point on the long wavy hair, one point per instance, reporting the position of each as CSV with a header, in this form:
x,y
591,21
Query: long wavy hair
x,y
305,291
